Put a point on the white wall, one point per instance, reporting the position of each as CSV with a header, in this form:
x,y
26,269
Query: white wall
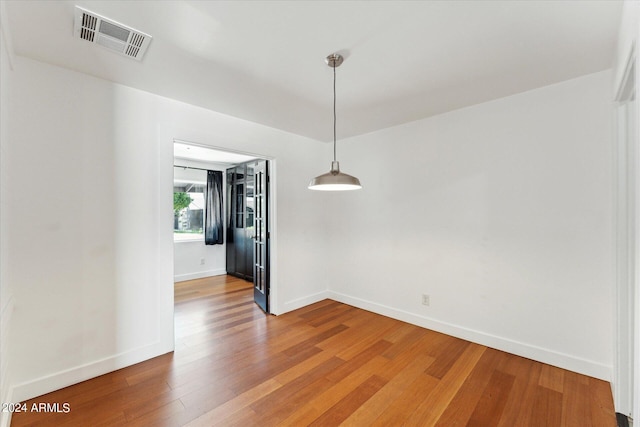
x,y
192,259
195,260
91,241
6,293
501,212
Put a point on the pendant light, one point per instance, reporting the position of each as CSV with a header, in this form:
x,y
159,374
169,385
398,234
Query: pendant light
x,y
334,180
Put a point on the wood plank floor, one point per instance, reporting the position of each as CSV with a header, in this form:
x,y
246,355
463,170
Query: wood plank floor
x,y
323,365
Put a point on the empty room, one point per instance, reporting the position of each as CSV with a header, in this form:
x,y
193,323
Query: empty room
x,y
419,213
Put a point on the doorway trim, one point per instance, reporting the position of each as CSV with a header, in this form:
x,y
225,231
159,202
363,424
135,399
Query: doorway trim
x,y
626,381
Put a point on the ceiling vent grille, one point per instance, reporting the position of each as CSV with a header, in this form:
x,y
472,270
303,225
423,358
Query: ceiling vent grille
x,y
112,35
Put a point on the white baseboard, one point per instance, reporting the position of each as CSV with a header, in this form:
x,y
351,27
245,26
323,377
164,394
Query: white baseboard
x,y
38,387
303,302
550,357
199,275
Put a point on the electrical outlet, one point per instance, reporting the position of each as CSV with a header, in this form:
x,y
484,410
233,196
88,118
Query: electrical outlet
x,y
201,261
425,299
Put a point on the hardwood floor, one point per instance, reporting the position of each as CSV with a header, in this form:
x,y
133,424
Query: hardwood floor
x,y
323,365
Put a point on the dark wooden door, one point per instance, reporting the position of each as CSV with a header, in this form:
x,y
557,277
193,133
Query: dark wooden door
x,y
261,234
231,219
239,243
239,231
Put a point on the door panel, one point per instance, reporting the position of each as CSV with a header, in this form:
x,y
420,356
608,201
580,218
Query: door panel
x,y
247,266
239,232
261,234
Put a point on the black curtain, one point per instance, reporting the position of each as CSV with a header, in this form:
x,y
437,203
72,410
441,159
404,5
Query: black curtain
x,y
213,226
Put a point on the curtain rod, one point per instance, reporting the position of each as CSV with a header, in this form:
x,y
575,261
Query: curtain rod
x,y
190,167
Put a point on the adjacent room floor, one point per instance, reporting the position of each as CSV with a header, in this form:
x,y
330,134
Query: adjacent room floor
x,y
325,364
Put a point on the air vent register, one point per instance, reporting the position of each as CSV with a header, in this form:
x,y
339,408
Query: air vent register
x,y
112,35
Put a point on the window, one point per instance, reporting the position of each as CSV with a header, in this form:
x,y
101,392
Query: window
x,y
188,210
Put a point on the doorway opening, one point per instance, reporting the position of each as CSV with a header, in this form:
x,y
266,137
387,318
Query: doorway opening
x,y
246,217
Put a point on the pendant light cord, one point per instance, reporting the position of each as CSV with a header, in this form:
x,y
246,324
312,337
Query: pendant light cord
x,y
334,112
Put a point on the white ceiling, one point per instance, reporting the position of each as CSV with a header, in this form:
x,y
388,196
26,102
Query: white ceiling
x,y
264,60
183,150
